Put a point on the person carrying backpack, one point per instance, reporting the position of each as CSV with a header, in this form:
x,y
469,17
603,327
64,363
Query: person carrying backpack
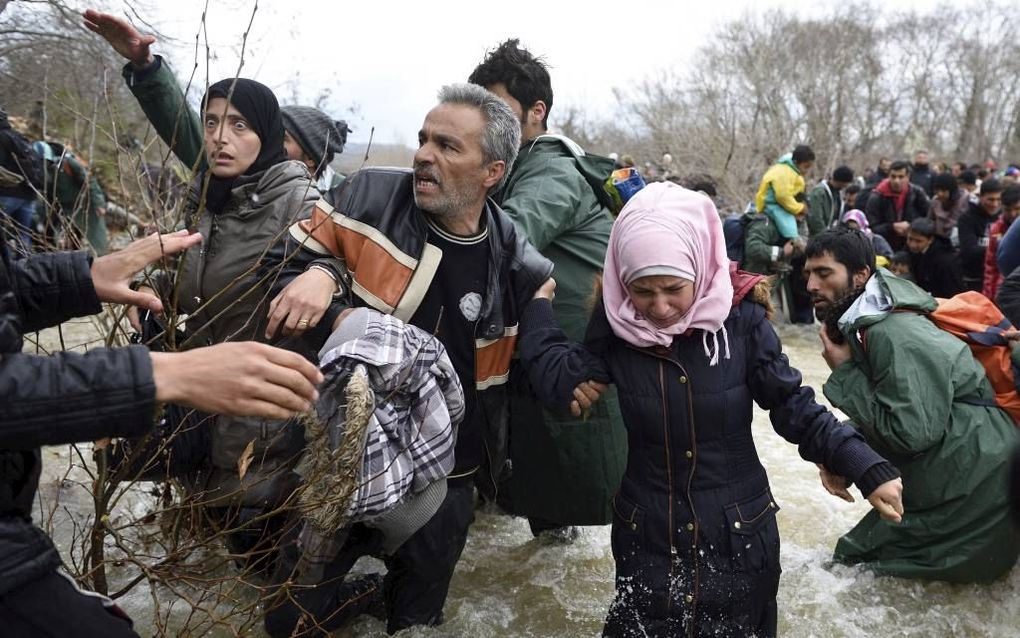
x,y
565,469
73,198
922,400
20,178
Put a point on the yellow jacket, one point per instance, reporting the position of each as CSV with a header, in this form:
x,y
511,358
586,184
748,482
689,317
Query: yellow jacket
x,y
779,187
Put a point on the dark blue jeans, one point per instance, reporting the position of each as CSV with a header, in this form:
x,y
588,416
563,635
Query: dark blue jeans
x,y
21,212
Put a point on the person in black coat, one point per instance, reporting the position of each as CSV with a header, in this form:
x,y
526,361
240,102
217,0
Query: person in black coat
x,y
932,260
921,174
972,228
21,175
894,203
694,531
106,392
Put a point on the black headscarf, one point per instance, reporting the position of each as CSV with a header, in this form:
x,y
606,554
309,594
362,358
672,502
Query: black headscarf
x,y
257,103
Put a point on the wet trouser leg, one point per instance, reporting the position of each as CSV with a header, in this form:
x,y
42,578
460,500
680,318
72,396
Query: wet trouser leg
x,y
419,572
53,606
315,610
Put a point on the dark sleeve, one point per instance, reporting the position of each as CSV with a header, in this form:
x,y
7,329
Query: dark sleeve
x,y
971,251
53,287
555,365
921,205
875,218
69,397
1008,252
287,259
946,279
796,416
1008,297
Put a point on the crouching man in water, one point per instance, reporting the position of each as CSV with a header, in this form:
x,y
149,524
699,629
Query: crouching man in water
x,y
923,402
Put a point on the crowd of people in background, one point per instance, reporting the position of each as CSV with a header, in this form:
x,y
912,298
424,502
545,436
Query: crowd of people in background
x,y
940,227
523,336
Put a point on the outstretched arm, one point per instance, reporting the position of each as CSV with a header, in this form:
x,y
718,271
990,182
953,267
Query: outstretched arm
x,y
113,391
797,417
153,85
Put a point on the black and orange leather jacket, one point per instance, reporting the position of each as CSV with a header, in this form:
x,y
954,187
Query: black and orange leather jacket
x,y
374,227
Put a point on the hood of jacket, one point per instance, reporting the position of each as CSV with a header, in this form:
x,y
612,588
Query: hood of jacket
x,y
595,170
787,160
883,294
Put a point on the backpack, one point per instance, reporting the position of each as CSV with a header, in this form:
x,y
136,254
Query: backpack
x,y
599,172
975,320
19,161
621,185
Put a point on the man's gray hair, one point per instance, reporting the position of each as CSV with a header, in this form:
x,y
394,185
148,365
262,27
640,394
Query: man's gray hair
x,y
502,128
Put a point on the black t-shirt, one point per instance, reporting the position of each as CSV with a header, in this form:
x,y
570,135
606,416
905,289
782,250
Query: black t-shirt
x,y
452,305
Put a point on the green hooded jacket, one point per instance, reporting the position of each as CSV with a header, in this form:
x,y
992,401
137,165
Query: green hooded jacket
x,y
923,402
565,469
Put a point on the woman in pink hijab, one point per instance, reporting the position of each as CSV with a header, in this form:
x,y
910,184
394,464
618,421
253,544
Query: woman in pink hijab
x,y
694,532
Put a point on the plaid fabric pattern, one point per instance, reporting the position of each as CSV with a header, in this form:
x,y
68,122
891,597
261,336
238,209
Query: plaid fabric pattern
x,y
418,404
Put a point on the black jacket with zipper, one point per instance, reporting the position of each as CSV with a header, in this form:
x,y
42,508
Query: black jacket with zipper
x,y
695,515
51,400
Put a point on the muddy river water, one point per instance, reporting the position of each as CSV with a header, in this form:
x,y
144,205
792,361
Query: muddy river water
x,y
511,585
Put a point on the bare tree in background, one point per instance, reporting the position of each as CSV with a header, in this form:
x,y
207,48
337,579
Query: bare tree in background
x,y
856,84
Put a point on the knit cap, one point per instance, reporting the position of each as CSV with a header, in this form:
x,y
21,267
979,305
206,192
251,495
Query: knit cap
x,y
318,135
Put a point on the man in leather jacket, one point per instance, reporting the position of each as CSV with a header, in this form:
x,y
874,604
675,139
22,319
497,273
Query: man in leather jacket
x,y
431,248
69,397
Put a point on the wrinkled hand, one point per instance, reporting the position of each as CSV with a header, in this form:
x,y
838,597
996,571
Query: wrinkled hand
x,y
112,274
122,36
546,290
133,315
833,354
887,499
301,304
835,484
239,379
585,395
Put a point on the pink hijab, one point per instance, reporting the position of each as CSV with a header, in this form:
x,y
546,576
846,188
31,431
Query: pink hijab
x,y
667,228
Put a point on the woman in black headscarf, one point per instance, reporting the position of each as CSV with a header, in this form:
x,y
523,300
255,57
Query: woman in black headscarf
x,y
243,202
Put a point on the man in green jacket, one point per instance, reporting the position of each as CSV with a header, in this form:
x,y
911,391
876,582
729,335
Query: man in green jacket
x,y
922,401
825,201
565,470
73,198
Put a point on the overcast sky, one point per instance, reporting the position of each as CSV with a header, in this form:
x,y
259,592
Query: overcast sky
x,y
388,58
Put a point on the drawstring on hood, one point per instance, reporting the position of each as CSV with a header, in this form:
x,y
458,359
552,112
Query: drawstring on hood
x,y
713,353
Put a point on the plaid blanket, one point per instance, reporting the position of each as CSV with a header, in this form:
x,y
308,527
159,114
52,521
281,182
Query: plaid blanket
x,y
418,403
